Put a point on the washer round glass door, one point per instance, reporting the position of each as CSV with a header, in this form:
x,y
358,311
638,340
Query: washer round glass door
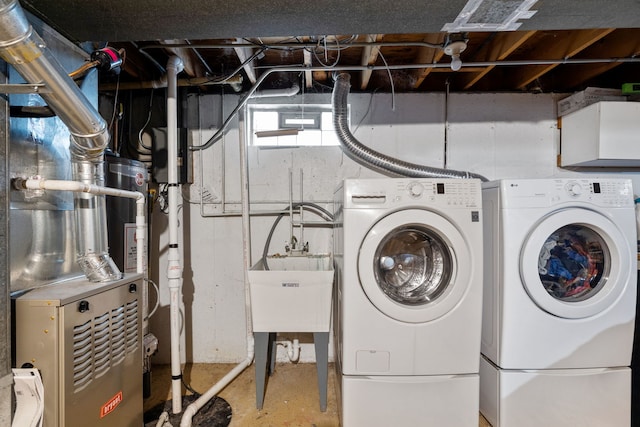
x,y
574,269
409,265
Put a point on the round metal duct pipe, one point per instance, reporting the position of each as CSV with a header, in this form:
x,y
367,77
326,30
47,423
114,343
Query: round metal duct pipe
x,y
26,52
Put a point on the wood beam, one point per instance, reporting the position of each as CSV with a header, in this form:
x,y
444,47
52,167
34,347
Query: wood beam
x,y
243,54
308,62
192,65
427,55
498,49
564,47
369,57
623,43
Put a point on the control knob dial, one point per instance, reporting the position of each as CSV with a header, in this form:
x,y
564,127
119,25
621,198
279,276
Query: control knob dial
x,y
415,189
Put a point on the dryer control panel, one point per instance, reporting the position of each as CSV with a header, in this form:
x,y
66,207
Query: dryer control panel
x,y
547,192
402,192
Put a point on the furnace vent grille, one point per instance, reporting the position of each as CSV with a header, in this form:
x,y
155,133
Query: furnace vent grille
x,y
103,342
131,313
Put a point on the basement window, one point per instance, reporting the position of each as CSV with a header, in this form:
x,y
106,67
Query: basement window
x,y
291,125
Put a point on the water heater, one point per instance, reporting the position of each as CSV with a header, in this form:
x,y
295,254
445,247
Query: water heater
x,y
131,175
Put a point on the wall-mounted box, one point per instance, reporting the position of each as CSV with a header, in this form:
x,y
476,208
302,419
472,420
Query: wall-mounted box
x,y
605,134
589,96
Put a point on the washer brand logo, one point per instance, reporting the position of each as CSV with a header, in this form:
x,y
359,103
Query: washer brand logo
x,y
111,405
475,216
290,285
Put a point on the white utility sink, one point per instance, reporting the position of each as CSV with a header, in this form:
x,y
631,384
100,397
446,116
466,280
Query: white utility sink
x,y
293,295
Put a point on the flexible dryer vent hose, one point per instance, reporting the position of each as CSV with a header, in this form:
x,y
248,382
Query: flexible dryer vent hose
x,y
371,158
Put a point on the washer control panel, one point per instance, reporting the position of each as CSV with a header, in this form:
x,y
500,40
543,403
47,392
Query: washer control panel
x,y
453,192
400,192
574,188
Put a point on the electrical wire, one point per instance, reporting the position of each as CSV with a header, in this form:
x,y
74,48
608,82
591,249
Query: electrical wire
x,y
146,123
163,198
366,113
115,98
155,287
115,103
188,387
393,93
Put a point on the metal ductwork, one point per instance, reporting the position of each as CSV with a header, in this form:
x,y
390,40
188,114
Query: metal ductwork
x,y
22,48
371,158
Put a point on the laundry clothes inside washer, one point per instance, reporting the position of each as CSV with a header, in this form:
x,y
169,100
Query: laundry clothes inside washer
x,y
559,301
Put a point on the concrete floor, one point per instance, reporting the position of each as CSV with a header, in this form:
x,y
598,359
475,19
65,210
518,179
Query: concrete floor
x,y
291,399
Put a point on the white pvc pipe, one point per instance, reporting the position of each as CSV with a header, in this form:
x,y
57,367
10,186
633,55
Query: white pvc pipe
x,y
274,93
174,267
292,348
192,409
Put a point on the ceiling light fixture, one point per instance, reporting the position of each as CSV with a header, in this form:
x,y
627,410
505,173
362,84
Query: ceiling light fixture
x,y
455,45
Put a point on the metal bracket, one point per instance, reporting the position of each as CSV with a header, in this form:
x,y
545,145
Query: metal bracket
x,y
25,88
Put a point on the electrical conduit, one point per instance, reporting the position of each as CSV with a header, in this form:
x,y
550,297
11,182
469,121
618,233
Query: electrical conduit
x,y
174,267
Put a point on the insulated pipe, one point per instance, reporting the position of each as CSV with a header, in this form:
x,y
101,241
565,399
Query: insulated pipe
x,y
371,158
174,268
192,409
22,48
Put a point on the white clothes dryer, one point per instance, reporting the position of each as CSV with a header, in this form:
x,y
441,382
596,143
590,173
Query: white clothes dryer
x,y
559,302
408,298
560,276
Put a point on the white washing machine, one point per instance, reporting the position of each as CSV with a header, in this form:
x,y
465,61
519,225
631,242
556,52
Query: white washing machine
x,y
408,301
559,301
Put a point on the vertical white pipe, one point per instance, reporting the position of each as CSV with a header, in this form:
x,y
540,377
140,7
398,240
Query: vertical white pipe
x,y
192,409
174,268
141,236
301,210
291,208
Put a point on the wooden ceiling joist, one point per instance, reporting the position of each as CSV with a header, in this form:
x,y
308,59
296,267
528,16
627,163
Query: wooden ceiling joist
x,y
498,49
243,54
622,43
369,57
560,48
190,61
427,55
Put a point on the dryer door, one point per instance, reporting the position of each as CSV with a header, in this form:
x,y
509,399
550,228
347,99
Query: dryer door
x,y
575,263
410,265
